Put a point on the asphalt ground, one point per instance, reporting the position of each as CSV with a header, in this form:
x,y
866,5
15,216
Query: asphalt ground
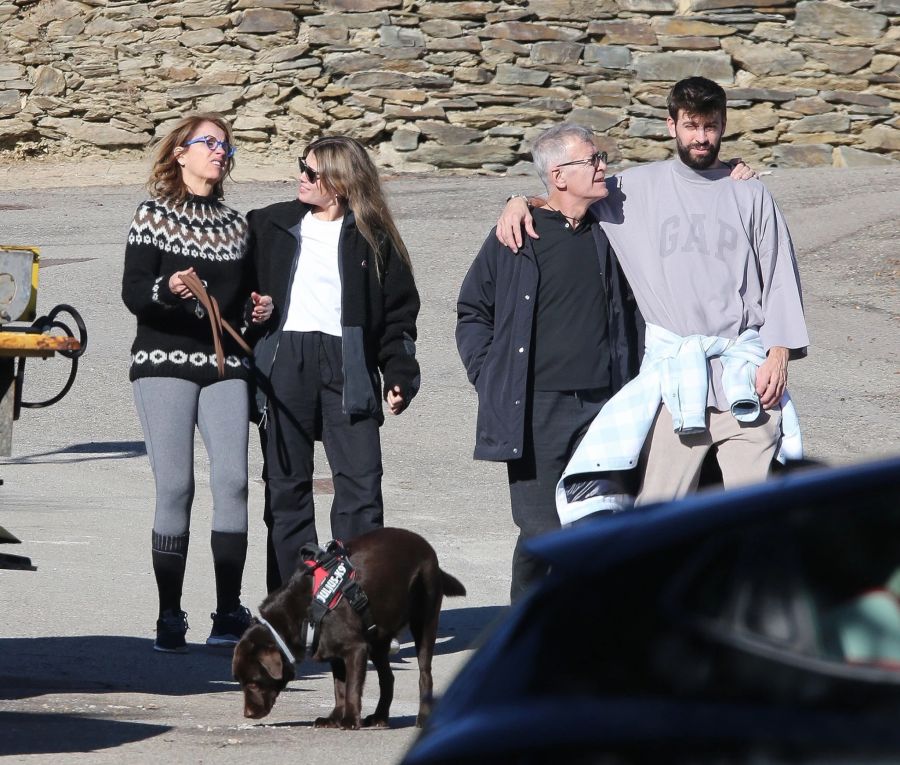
x,y
78,679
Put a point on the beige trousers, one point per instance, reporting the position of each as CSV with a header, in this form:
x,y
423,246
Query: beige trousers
x,y
671,463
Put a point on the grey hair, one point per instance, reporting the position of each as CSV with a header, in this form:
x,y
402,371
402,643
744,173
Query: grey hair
x,y
549,148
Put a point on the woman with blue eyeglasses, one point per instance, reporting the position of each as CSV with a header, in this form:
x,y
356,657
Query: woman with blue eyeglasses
x,y
185,230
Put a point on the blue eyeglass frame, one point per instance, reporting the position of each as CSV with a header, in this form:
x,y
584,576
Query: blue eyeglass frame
x,y
216,143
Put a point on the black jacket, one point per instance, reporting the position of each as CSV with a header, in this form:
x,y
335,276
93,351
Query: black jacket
x,y
495,314
379,306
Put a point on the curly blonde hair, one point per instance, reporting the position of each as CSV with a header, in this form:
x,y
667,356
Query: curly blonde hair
x,y
165,177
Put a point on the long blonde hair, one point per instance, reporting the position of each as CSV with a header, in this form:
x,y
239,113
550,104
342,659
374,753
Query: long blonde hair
x,y
347,171
165,176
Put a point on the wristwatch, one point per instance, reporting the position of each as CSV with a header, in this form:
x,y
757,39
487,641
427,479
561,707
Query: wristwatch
x,y
518,196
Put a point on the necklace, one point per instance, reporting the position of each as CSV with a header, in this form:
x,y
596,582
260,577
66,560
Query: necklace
x,y
574,221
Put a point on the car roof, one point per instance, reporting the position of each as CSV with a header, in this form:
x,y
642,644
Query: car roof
x,y
648,528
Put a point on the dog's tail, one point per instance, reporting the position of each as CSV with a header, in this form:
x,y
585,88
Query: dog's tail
x,y
451,586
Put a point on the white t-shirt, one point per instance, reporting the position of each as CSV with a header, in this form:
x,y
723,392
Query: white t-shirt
x,y
316,289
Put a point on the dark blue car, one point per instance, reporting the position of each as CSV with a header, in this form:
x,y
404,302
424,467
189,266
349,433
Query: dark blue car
x,y
759,625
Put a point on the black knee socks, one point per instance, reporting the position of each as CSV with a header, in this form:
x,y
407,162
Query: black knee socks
x,y
229,553
169,558
170,555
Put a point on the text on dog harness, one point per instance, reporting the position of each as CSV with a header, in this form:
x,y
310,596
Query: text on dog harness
x,y
334,579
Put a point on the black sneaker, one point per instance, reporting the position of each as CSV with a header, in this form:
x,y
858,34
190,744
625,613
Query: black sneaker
x,y
170,629
228,628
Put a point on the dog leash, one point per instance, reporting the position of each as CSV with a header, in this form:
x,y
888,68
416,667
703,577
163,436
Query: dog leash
x,y
217,323
278,639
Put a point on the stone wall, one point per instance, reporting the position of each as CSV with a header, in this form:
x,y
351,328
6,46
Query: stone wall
x,y
461,85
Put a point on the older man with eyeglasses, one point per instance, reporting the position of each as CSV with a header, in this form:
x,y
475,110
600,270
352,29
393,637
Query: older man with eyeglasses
x,y
546,336
714,273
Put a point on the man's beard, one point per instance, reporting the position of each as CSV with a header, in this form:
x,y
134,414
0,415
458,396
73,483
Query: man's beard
x,y
698,163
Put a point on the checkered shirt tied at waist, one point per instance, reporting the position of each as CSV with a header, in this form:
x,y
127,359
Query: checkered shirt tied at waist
x,y
675,371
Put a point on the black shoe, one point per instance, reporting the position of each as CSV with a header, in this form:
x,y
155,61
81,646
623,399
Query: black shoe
x,y
170,629
228,628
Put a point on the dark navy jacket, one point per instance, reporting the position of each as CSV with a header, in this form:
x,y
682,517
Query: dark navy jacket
x,y
495,313
379,307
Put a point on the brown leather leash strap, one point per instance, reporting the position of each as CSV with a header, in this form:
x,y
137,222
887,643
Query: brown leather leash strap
x,y
216,322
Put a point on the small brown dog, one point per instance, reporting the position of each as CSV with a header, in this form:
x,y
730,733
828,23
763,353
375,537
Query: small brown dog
x,y
398,570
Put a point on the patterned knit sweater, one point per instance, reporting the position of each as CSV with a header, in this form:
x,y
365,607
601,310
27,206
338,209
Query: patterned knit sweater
x,y
174,338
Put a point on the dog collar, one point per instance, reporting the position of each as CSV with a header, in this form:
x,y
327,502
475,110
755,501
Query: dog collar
x,y
278,639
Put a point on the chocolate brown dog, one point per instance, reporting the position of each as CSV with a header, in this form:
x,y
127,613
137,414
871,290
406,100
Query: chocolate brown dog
x,y
398,570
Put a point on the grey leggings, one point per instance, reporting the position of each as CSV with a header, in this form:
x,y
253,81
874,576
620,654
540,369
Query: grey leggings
x,y
169,409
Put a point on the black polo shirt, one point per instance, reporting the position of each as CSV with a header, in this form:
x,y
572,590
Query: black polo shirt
x,y
570,347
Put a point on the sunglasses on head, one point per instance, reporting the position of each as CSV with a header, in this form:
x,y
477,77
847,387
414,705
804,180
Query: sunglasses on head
x,y
311,175
213,143
595,159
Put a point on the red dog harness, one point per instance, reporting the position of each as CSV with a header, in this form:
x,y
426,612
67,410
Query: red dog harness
x,y
334,579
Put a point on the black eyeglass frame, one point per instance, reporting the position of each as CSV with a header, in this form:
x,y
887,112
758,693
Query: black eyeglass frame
x,y
311,175
595,159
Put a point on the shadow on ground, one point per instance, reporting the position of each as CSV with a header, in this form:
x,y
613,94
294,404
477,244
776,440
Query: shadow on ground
x,y
406,721
41,733
111,664
460,629
90,451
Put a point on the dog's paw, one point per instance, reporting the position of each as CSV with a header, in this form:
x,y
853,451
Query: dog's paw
x,y
350,723
376,722
424,711
326,722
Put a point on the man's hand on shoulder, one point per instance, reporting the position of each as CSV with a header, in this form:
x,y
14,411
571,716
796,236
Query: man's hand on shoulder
x,y
514,216
771,377
740,170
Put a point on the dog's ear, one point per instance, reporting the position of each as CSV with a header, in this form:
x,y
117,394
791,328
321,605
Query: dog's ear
x,y
240,651
270,658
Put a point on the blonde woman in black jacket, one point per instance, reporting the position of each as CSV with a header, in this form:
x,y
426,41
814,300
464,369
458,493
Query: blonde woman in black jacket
x,y
341,337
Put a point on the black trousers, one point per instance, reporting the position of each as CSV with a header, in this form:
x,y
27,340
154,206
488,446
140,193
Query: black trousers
x,y
555,423
305,405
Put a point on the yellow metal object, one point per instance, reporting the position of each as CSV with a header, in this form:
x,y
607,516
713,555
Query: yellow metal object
x,y
19,266
34,344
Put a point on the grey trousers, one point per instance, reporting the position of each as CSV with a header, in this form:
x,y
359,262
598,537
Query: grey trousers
x,y
170,409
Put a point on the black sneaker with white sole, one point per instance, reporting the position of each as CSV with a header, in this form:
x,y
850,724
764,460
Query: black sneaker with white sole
x,y
228,628
170,630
